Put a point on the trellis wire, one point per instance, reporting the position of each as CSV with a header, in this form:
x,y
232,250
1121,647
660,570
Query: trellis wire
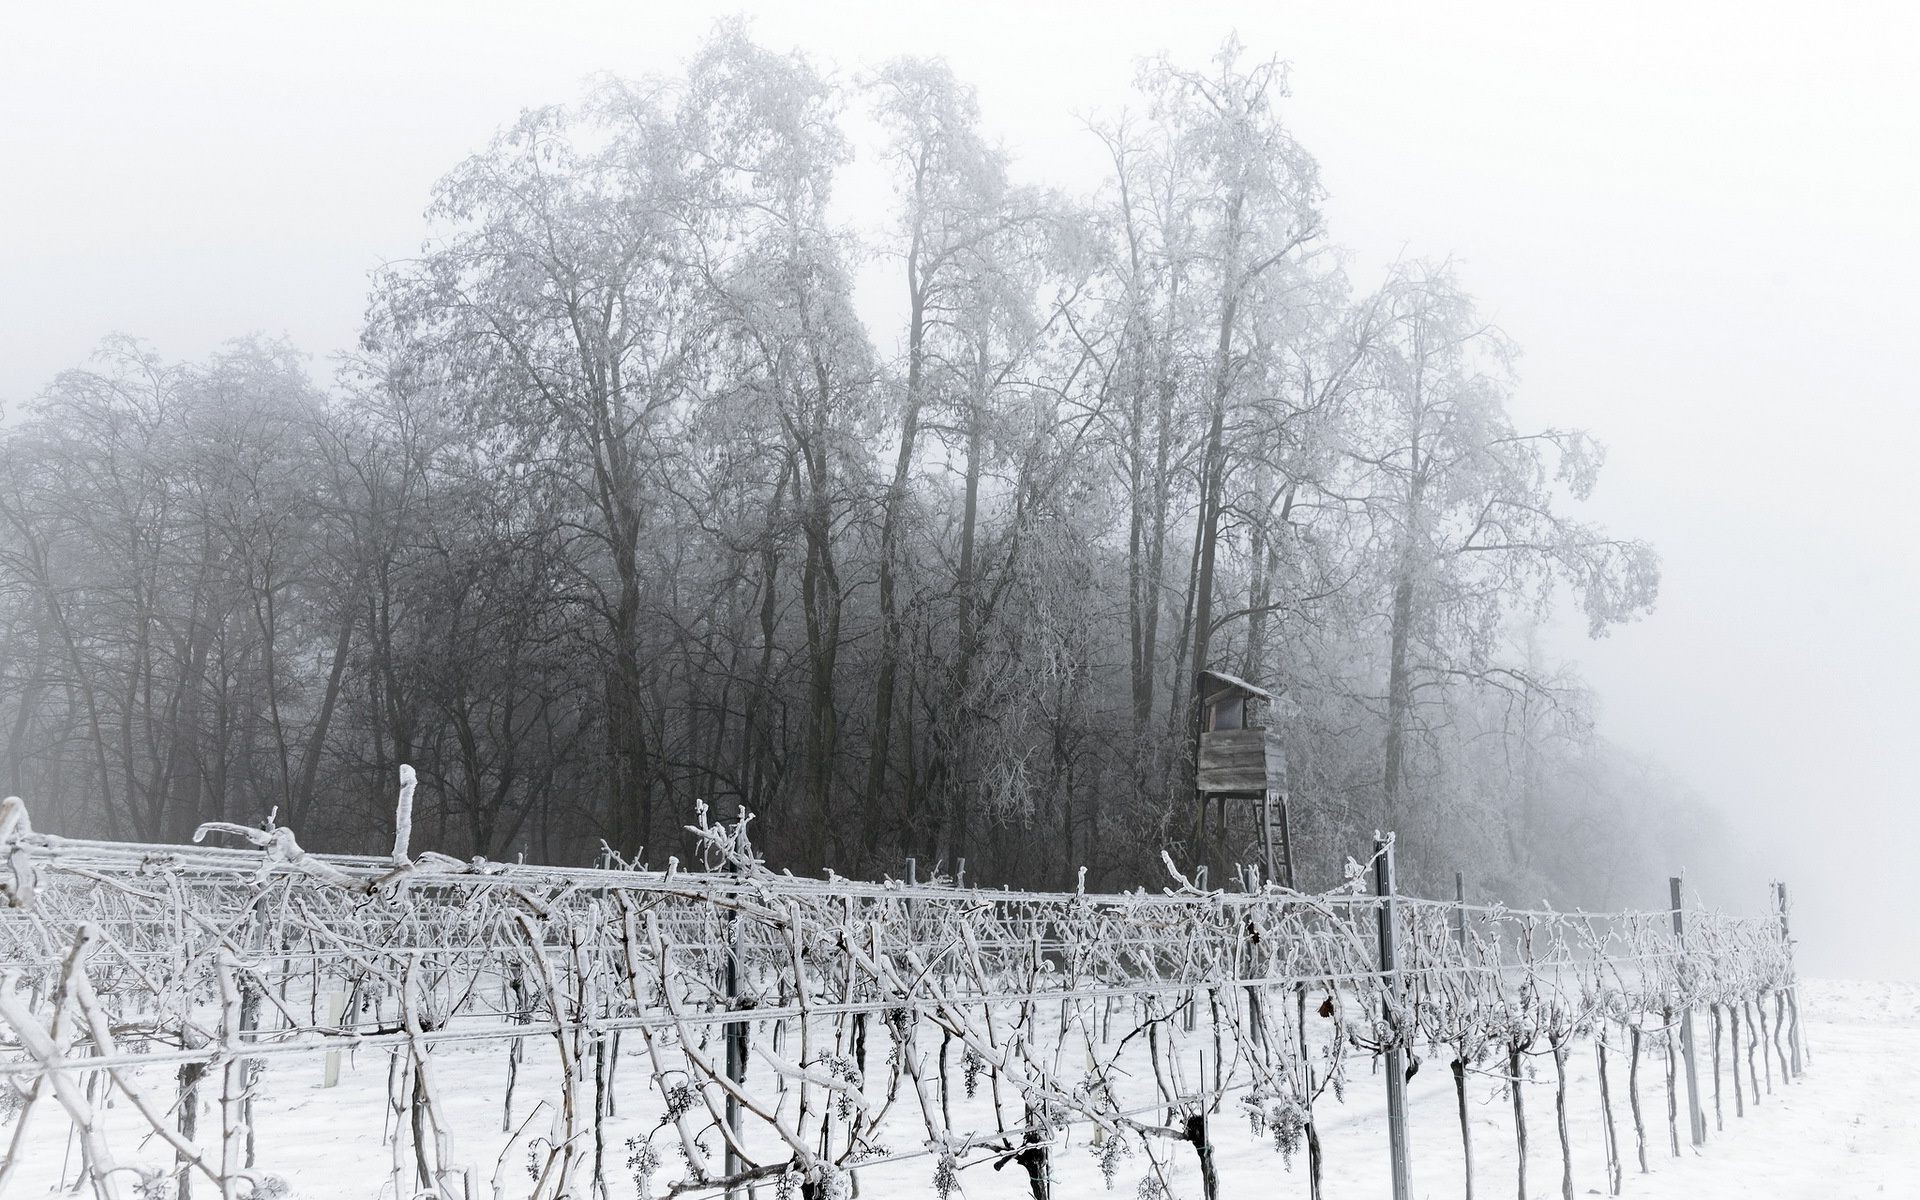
x,y
220,960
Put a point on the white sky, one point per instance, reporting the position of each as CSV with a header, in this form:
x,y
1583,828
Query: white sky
x,y
1699,220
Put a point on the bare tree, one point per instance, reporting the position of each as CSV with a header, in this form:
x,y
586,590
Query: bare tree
x,y
621,509
1464,510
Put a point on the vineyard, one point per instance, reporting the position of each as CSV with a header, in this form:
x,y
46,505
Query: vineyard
x,y
169,1015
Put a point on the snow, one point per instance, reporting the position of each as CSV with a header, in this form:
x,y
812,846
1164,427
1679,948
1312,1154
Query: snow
x,y
1850,1127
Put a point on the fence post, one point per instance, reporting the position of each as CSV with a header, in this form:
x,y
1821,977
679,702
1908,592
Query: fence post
x,y
1266,838
1460,909
1286,842
913,870
1387,887
1696,1117
1793,979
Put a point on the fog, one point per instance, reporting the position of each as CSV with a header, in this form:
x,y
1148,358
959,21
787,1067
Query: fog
x,y
1698,224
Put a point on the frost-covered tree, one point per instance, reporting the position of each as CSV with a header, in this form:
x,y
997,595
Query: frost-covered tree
x,y
655,482
1466,511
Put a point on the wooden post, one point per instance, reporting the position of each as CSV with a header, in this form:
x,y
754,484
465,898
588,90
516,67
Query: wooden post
x,y
1460,909
1696,1118
1793,981
1519,1094
913,869
1267,860
1286,843
1386,888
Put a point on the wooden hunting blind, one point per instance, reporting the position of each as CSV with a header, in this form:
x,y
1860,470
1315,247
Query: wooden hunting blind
x,y
1240,757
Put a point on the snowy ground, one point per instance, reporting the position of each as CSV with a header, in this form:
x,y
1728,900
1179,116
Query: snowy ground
x,y
1849,1128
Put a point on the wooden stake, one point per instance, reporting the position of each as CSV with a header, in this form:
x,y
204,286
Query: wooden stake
x,y
1267,860
1519,1115
1696,1118
1466,1128
1286,843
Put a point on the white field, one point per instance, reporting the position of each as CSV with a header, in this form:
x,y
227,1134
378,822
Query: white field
x,y
1850,1127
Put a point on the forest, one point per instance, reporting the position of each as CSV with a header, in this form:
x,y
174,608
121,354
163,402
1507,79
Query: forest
x,y
657,478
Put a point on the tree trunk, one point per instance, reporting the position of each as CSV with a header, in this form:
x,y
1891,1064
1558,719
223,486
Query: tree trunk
x,y
1466,1127
887,670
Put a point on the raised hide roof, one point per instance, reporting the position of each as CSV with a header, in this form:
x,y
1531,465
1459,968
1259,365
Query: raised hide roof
x,y
1216,682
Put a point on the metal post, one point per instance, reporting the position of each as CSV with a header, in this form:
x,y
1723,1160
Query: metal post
x,y
1386,887
1793,979
736,1045
1460,909
1696,1117
913,869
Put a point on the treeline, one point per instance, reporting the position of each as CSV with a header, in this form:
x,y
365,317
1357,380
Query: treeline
x,y
623,502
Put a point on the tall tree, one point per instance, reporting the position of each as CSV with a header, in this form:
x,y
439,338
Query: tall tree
x,y
1465,509
763,129
557,301
954,196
